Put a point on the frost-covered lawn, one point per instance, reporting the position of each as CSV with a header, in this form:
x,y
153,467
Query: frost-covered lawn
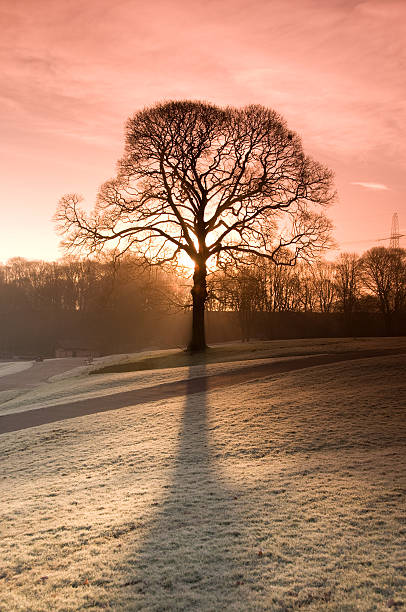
x,y
235,351
283,494
12,367
166,366
81,387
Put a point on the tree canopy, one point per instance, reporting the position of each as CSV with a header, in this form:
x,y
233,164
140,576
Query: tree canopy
x,y
210,182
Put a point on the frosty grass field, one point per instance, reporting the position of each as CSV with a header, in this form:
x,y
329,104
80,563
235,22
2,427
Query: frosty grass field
x,y
10,367
286,493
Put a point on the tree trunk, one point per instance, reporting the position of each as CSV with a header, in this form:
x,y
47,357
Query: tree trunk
x,y
199,294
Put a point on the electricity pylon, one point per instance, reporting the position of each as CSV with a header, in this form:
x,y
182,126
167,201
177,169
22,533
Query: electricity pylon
x,y
394,233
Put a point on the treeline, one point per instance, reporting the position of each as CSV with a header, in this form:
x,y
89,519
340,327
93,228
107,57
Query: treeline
x,y
103,306
368,292
106,306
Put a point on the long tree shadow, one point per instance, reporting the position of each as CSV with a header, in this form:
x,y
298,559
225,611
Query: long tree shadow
x,y
193,555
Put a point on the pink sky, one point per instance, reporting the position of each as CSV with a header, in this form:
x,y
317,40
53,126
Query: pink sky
x,y
73,71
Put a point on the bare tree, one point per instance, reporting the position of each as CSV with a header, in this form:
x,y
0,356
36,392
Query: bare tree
x,y
209,182
324,285
347,282
305,294
241,288
384,274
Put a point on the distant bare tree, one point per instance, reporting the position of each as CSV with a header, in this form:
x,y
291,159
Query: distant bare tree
x,y
324,285
384,274
240,288
281,287
347,281
210,182
306,295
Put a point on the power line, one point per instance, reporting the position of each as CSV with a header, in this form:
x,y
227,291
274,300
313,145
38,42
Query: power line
x,y
393,238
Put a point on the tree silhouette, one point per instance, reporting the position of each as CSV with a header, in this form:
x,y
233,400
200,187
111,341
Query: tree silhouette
x,y
348,266
384,274
209,182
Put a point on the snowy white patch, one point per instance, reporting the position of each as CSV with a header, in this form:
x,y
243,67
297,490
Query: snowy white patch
x,y
13,367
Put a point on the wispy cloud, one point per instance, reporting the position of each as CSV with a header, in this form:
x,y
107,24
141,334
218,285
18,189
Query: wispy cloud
x,y
378,186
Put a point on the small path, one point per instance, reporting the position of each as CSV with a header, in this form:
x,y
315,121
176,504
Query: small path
x,y
51,414
39,372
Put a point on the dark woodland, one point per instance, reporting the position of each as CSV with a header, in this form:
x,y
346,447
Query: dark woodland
x,y
100,306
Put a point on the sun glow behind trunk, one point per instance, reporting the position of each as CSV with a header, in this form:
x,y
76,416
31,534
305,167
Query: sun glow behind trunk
x,y
186,263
